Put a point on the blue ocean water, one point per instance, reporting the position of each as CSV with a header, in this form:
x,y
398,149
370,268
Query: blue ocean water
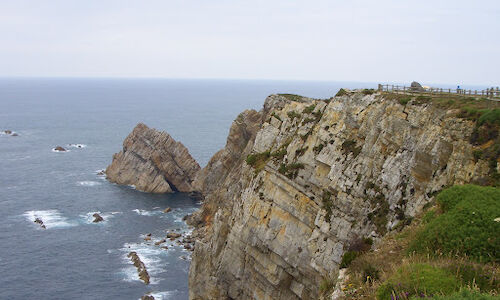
x,y
73,257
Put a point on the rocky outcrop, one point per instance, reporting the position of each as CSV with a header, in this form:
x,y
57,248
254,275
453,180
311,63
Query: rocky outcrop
x,y
154,162
302,179
59,149
97,218
141,267
40,222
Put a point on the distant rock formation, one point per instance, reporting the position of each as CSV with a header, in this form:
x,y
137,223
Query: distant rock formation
x,y
153,162
416,86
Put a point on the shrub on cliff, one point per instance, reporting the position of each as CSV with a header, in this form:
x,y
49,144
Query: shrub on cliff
x,y
422,280
468,224
464,295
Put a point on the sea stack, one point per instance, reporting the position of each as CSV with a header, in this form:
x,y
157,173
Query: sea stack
x,y
153,162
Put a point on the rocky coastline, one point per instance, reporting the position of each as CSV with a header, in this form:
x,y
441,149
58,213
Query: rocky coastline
x,y
299,182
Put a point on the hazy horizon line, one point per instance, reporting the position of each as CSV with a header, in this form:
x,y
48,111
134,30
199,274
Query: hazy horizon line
x,y
237,79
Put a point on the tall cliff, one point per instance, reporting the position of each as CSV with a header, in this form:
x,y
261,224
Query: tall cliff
x,y
300,180
153,162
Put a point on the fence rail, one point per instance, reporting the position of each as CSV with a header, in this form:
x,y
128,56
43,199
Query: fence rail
x,y
492,93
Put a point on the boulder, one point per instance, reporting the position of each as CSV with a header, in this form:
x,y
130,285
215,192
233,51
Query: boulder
x,y
153,162
166,210
173,235
97,218
416,86
147,297
60,149
14,134
160,242
8,132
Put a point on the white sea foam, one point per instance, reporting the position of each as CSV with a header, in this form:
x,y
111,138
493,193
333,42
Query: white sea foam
x,y
162,295
88,183
77,146
150,255
89,217
143,212
51,218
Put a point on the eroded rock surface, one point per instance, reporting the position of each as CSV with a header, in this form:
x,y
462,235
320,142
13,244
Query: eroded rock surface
x,y
354,166
154,162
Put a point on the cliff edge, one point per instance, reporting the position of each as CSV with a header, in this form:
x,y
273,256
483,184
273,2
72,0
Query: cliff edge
x,y
153,162
302,179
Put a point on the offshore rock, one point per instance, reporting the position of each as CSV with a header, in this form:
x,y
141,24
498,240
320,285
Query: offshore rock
x,y
153,162
141,267
97,218
325,172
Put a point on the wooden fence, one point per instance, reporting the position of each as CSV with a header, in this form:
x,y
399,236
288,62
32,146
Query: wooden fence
x,y
492,93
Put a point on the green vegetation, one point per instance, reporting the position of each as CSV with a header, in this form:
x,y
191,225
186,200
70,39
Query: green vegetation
x,y
293,114
348,257
309,109
326,198
418,279
422,99
292,97
258,160
368,91
301,151
308,120
490,117
467,225
404,100
448,252
341,92
349,146
276,116
279,154
358,246
326,285
464,294
317,149
291,170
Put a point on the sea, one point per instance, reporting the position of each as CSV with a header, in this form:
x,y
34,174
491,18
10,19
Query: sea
x,y
74,258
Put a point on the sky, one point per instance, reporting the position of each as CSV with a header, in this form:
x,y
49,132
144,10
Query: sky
x,y
454,42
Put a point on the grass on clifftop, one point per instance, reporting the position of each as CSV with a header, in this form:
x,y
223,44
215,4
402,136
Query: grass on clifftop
x,y
468,225
452,250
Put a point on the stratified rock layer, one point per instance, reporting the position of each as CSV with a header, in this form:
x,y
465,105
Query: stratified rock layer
x,y
354,166
153,162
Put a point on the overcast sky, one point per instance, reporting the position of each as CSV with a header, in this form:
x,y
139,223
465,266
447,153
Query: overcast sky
x,y
344,40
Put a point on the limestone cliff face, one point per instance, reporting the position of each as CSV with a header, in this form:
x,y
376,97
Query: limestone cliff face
x,y
321,174
153,162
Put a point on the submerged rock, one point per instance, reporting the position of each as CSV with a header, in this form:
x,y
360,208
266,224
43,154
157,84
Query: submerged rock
x,y
97,218
141,267
153,162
